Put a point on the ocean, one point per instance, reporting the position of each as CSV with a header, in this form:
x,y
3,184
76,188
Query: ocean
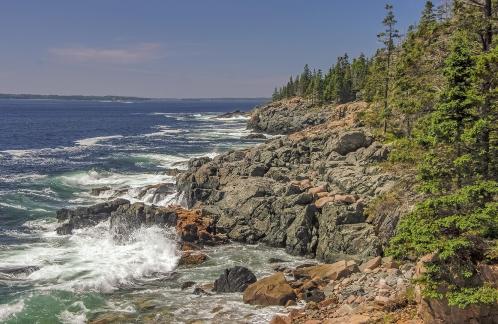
x,y
52,154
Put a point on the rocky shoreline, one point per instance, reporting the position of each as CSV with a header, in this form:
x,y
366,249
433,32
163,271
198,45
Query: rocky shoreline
x,y
320,192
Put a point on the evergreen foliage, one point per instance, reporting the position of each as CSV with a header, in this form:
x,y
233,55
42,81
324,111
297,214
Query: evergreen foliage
x,y
434,97
342,83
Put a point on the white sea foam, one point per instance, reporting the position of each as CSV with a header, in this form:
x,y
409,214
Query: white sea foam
x,y
95,140
76,317
90,260
165,131
9,310
17,153
14,206
165,160
22,177
92,179
233,118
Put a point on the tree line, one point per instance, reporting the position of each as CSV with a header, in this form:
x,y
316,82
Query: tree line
x,y
343,82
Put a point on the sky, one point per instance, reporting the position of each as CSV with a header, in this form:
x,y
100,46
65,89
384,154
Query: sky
x,y
181,48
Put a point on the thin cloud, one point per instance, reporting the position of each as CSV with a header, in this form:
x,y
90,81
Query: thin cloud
x,y
135,54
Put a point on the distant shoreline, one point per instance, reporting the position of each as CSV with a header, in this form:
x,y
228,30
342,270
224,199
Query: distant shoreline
x,y
110,98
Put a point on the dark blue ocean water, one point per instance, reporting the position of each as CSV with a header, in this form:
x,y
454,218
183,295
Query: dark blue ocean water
x,y
40,139
53,153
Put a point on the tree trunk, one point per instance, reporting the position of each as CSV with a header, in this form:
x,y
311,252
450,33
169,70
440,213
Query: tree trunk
x,y
484,111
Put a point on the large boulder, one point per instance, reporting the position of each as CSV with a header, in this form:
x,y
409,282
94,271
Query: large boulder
x,y
349,142
129,217
342,233
86,216
335,271
272,290
235,279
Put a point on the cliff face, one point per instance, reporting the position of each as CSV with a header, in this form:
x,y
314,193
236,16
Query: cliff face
x,y
306,191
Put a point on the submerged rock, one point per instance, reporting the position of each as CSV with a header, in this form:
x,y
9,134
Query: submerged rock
x,y
235,279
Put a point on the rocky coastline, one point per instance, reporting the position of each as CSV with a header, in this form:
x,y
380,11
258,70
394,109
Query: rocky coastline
x,y
319,190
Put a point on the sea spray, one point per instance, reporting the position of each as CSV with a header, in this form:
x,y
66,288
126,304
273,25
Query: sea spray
x,y
90,260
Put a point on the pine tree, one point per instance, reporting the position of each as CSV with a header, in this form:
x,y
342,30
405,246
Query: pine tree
x,y
317,95
428,15
275,96
388,38
460,218
478,16
359,71
305,80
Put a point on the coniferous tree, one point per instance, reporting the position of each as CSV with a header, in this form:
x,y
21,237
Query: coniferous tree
x,y
359,71
428,15
460,218
388,38
305,81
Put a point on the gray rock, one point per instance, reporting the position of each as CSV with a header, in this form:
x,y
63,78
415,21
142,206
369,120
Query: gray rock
x,y
251,198
235,279
86,216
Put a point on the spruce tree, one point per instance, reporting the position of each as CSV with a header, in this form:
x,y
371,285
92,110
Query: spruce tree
x,y
428,15
459,220
388,37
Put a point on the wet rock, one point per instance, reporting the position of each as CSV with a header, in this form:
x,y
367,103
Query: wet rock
x,y
187,284
112,317
233,114
255,136
200,291
235,279
191,258
86,216
99,190
276,260
272,290
129,217
193,227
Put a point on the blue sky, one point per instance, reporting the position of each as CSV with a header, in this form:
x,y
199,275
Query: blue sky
x,y
182,48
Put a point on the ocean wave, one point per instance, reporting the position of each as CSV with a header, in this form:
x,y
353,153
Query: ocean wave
x,y
9,310
234,118
164,131
76,316
94,179
13,206
92,261
10,178
95,140
165,160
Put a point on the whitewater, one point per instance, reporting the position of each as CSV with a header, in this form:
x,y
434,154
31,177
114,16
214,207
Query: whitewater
x,y
64,154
